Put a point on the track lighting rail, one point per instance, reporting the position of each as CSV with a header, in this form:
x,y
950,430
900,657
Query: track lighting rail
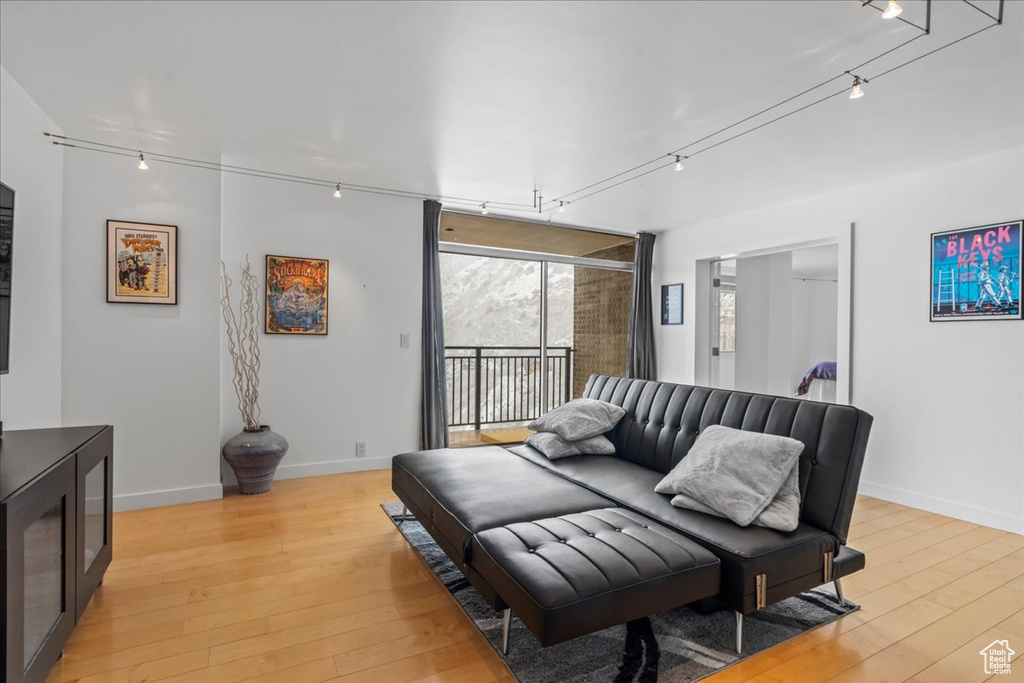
x,y
117,150
646,167
998,19
560,203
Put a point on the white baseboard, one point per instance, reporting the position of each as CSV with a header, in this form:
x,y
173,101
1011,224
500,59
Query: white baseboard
x,y
315,469
152,499
942,506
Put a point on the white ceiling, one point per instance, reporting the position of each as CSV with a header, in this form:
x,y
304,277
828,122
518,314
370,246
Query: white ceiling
x,y
488,100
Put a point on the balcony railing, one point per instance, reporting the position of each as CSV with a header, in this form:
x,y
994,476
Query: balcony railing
x,y
489,385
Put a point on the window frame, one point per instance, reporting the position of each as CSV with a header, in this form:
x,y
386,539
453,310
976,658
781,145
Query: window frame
x,y
544,259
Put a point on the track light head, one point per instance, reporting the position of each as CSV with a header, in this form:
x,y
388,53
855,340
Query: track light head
x,y
679,163
483,209
857,92
893,10
142,162
337,191
561,207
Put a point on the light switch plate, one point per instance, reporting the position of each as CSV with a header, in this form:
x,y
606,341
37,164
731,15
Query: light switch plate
x,y
403,340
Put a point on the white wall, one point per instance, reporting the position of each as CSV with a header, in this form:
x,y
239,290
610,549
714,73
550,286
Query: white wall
x,y
160,374
355,384
764,308
815,307
947,397
150,370
726,370
33,167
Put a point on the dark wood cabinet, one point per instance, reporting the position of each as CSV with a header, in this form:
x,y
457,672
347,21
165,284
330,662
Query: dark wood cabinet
x,y
55,516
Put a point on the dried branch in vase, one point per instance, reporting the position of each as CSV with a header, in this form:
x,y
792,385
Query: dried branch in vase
x,y
244,342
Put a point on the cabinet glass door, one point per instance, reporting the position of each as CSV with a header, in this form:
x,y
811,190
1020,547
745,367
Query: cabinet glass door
x,y
39,578
95,517
44,578
93,465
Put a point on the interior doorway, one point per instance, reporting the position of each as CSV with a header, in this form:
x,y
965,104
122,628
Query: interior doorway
x,y
774,324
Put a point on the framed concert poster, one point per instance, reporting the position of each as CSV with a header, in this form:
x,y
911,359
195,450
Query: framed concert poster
x,y
142,263
296,295
976,272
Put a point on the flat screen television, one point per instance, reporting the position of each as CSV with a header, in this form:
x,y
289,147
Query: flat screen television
x,y
6,254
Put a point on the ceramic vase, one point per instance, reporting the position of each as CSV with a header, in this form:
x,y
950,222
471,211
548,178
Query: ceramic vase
x,y
254,455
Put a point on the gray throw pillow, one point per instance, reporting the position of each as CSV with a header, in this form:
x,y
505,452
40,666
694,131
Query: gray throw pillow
x,y
783,513
579,419
734,472
554,446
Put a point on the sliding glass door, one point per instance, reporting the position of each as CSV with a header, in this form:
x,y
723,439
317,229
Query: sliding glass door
x,y
530,312
523,335
492,321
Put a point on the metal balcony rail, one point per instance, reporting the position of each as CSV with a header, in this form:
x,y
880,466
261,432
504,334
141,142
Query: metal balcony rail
x,y
492,385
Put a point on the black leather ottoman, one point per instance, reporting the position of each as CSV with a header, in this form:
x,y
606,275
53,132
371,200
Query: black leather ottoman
x,y
457,492
579,573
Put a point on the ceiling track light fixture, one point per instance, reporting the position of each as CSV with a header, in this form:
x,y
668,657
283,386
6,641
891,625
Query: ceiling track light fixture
x,y
893,10
483,209
679,162
561,207
857,92
142,162
64,141
337,191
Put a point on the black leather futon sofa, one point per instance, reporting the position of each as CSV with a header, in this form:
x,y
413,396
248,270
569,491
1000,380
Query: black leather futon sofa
x,y
578,544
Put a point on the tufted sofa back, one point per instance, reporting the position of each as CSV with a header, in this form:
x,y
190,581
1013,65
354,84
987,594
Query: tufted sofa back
x,y
663,420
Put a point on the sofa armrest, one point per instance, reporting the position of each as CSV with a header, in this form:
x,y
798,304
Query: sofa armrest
x,y
847,561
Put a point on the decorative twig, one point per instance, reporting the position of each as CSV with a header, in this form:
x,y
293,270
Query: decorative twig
x,y
243,342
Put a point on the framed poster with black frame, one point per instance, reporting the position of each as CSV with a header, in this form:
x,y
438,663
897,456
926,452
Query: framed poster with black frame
x,y
672,304
142,263
976,273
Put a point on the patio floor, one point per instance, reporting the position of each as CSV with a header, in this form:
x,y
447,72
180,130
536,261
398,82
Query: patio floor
x,y
464,438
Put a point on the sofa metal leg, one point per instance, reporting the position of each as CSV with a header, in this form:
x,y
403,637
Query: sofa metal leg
x,y
839,592
739,633
506,626
405,513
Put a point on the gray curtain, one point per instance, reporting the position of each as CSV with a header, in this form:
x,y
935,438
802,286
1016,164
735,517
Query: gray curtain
x,y
640,363
434,422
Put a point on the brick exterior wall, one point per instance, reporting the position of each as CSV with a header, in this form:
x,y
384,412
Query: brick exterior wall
x,y
601,318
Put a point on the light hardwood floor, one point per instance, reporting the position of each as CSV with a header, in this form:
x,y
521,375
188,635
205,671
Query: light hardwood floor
x,y
312,582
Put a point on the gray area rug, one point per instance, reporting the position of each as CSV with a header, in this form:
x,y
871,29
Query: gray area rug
x,y
677,646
